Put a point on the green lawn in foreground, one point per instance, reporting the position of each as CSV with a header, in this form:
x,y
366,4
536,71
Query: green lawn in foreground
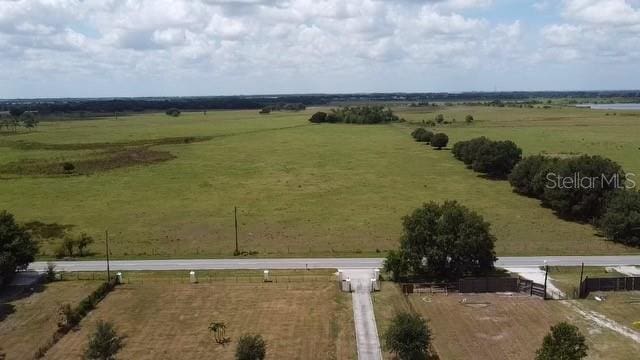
x,y
301,189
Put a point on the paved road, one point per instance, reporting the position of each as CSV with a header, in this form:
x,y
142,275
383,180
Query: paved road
x,y
318,263
367,340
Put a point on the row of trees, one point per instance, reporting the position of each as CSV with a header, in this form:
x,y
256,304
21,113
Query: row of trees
x,y
494,158
438,140
585,188
16,118
355,115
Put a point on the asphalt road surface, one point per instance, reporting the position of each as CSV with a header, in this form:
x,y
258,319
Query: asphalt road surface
x,y
316,263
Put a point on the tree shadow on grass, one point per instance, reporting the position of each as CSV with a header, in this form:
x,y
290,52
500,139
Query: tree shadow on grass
x,y
10,294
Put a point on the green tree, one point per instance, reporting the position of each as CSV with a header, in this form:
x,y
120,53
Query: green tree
x,y
468,119
17,248
68,244
447,241
251,347
83,241
621,219
439,118
563,342
496,158
408,336
578,188
29,120
318,117
173,112
395,264
439,141
104,343
528,176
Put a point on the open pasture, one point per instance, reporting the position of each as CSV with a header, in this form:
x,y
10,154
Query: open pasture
x,y
169,320
300,189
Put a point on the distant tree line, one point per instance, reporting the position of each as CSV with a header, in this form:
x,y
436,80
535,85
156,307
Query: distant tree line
x,y
356,115
589,189
112,105
14,118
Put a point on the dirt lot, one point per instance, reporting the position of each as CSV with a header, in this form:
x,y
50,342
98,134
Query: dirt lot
x,y
169,320
28,320
494,326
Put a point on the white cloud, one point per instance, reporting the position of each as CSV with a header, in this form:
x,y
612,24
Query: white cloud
x,y
232,42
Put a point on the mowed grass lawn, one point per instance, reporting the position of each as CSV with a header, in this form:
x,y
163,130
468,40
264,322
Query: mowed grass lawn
x,y
303,320
494,326
300,189
28,322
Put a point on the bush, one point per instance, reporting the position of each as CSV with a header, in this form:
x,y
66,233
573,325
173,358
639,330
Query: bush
x,y
466,151
104,343
439,141
447,241
468,119
251,347
439,118
408,336
621,219
564,341
422,135
265,111
318,117
173,112
68,167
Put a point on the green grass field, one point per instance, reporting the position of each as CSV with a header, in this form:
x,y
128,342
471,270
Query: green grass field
x,y
300,189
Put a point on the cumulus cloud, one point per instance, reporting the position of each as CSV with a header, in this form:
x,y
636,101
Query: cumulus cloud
x,y
234,42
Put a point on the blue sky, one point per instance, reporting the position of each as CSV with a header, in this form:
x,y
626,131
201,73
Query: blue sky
x,y
92,48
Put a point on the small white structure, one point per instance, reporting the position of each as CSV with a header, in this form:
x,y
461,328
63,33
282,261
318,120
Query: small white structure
x,y
346,285
192,277
376,274
119,277
340,273
375,285
265,276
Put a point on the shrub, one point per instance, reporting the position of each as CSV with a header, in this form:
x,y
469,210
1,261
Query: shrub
x,y
439,140
408,336
564,341
104,343
621,219
466,151
251,347
68,167
265,111
439,118
422,135
468,119
318,117
173,112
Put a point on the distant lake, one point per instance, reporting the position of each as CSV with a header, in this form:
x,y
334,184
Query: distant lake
x,y
610,106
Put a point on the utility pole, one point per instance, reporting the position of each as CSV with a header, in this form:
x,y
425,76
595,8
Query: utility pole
x,y
580,286
546,273
235,216
106,241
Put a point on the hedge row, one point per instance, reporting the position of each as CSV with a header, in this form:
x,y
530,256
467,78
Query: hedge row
x,y
71,317
494,158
